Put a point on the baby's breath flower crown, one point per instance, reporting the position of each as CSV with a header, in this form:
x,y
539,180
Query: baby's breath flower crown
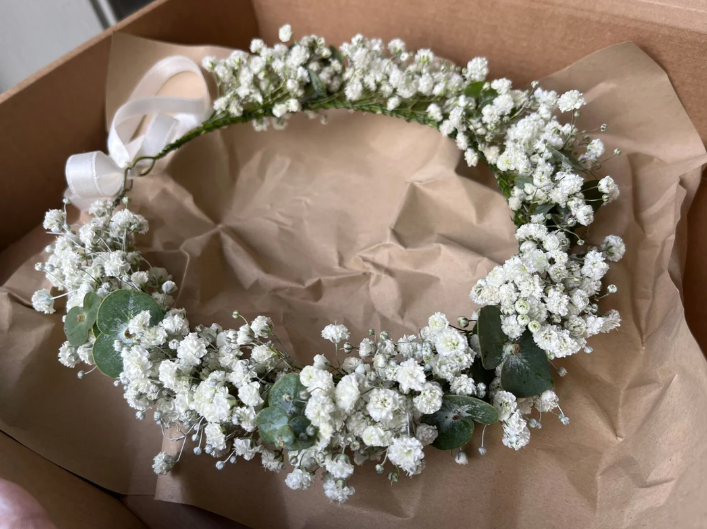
x,y
234,393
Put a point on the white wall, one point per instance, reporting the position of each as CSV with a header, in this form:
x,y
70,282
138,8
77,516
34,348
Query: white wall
x,y
34,33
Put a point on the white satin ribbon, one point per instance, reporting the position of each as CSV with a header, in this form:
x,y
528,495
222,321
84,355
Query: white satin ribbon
x,y
95,176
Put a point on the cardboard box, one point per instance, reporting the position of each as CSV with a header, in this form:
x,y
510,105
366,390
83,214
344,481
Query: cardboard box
x,y
60,111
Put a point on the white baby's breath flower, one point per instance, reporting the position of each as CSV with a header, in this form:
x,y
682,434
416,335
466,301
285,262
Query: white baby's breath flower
x,y
614,248
299,479
336,333
505,404
191,350
271,461
410,375
335,490
430,398
42,301
68,355
163,463
376,436
366,348
426,434
250,394
571,100
347,393
477,69
245,448
383,403
450,341
437,323
608,188
339,467
54,221
406,453
285,33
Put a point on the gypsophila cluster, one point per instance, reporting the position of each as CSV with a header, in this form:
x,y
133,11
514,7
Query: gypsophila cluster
x,y
238,393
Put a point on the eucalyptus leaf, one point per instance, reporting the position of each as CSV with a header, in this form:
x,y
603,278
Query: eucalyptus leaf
x,y
487,96
108,360
454,422
276,428
474,89
316,83
79,320
121,306
543,209
270,421
491,336
114,315
526,371
284,394
521,181
299,426
480,374
336,54
566,158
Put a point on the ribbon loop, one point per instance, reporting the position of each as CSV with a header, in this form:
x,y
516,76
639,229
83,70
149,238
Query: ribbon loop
x,y
96,176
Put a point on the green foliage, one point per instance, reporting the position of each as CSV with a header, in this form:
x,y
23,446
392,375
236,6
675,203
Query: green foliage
x,y
543,209
121,306
316,83
521,181
526,371
283,424
336,54
284,394
479,374
80,320
112,320
107,359
474,89
491,336
455,420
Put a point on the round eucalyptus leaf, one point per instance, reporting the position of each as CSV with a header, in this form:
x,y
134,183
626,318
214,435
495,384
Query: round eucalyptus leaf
x,y
285,394
454,422
286,437
276,428
121,306
299,426
108,360
270,421
79,320
491,336
482,412
526,372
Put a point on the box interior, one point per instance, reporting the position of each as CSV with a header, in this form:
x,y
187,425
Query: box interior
x,y
60,110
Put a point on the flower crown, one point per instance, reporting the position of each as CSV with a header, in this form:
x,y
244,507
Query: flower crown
x,y
239,393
